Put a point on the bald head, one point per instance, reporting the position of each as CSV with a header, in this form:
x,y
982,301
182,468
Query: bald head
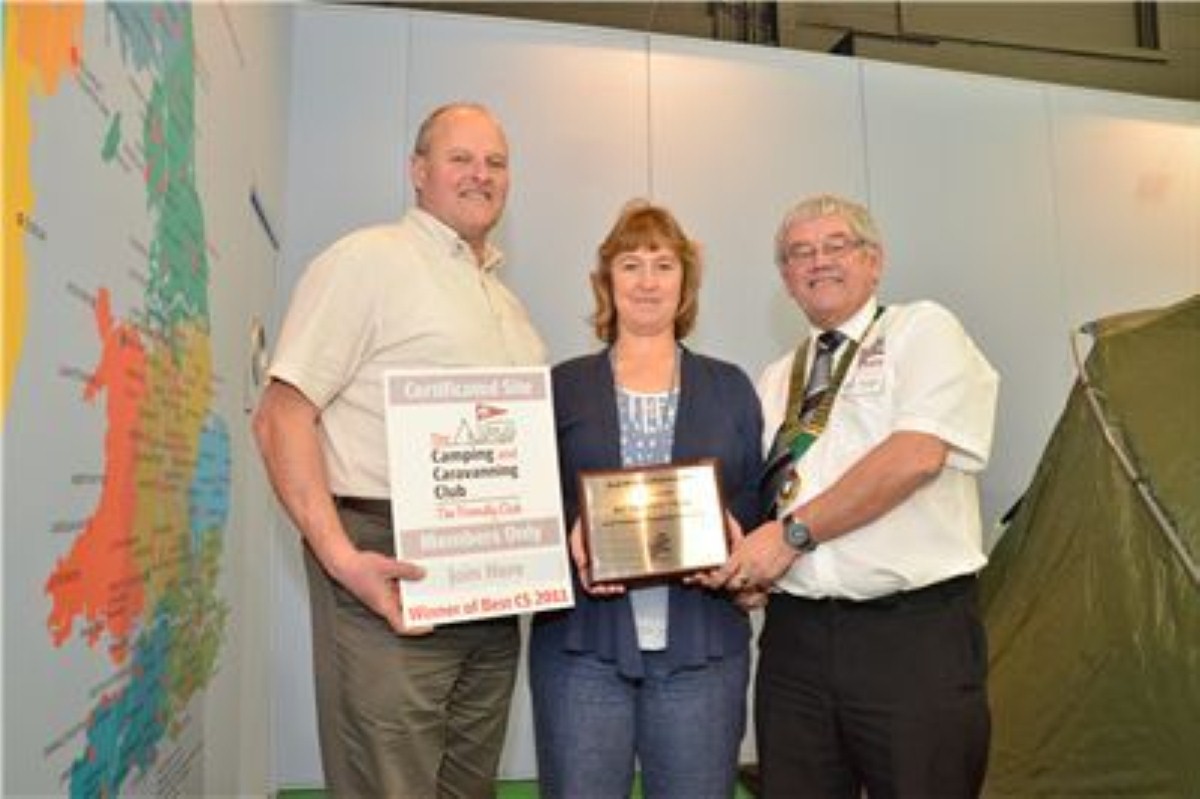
x,y
446,112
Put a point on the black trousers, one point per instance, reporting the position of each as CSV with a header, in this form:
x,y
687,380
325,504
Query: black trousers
x,y
887,696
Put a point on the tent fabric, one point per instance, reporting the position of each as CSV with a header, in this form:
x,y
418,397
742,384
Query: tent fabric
x,y
1093,619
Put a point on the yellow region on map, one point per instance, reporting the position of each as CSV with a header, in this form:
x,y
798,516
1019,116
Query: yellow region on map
x,y
41,43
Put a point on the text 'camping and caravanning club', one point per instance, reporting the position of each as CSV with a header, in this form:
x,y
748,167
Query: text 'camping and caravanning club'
x,y
474,479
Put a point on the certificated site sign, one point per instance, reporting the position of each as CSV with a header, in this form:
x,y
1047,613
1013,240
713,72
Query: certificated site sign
x,y
473,466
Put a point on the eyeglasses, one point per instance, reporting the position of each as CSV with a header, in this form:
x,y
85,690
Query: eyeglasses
x,y
834,248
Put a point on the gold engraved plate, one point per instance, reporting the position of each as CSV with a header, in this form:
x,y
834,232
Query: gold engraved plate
x,y
653,522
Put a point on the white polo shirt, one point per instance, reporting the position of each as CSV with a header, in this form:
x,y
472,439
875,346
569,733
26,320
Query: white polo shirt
x,y
403,295
919,371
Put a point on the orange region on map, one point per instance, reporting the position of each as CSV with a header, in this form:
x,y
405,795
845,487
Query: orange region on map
x,y
99,578
41,42
47,37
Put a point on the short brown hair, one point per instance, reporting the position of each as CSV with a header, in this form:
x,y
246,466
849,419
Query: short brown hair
x,y
642,224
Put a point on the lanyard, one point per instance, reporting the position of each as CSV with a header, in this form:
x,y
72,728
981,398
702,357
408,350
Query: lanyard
x,y
792,429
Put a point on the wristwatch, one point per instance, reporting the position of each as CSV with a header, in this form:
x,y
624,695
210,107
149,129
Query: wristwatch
x,y
797,535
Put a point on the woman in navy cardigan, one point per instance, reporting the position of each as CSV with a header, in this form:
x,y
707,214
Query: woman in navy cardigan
x,y
658,671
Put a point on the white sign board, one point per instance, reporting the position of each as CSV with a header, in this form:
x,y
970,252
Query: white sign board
x,y
473,467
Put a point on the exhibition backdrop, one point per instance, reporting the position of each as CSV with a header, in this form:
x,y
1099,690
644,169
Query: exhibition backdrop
x,y
1027,208
170,169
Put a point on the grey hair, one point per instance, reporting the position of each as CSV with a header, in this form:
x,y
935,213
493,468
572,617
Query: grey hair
x,y
856,216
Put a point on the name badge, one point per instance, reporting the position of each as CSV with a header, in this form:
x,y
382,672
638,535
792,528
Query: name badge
x,y
868,378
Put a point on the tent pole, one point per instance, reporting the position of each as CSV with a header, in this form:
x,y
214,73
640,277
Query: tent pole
x,y
1143,486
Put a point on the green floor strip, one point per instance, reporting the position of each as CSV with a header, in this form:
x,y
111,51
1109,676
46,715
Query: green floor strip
x,y
508,789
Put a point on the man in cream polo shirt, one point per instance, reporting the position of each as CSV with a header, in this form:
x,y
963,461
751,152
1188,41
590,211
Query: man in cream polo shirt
x,y
872,675
402,713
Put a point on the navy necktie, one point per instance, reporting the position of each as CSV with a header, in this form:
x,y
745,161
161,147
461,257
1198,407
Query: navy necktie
x,y
776,473
822,371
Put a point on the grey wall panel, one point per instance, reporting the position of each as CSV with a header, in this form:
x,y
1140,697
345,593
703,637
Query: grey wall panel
x,y
962,186
1019,206
363,82
1127,183
733,145
347,157
573,103
740,134
346,168
247,76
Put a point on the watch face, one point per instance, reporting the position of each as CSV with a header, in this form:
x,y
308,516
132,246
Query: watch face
x,y
798,535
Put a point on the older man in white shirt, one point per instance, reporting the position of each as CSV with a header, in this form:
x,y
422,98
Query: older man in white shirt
x,y
872,674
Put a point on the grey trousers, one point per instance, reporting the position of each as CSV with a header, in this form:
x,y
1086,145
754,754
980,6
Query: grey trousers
x,y
405,717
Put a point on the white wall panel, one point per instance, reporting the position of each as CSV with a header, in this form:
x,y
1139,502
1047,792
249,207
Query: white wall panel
x,y
1025,209
733,145
962,187
346,169
247,77
739,135
573,103
347,158
363,82
1127,175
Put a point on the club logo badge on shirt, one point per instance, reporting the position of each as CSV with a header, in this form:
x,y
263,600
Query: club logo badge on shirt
x,y
867,379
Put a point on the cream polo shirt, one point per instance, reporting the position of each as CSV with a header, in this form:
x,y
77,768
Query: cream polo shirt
x,y
917,371
404,295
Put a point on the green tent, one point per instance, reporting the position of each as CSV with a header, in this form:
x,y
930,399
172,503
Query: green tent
x,y
1091,599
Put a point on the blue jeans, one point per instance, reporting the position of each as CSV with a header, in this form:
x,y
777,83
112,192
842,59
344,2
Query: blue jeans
x,y
685,728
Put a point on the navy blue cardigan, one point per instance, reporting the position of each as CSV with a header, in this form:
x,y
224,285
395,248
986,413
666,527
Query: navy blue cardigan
x,y
719,417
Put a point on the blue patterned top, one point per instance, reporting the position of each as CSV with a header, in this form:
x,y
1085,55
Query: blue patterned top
x,y
647,424
719,417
